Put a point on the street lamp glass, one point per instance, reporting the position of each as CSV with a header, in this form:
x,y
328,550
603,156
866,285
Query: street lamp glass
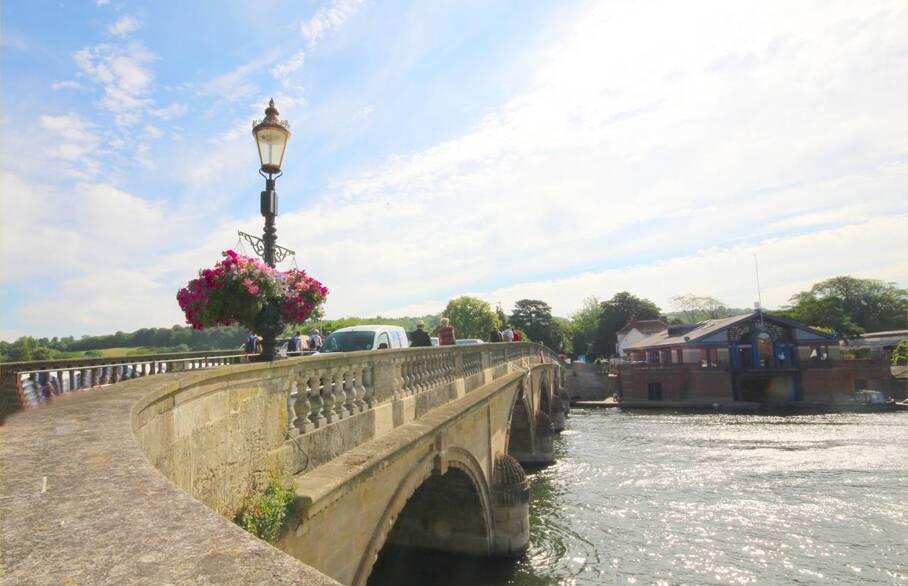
x,y
272,141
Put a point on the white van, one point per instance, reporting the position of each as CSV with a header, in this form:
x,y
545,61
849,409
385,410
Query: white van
x,y
357,338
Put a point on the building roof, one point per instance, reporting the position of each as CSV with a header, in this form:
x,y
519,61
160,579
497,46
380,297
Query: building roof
x,y
889,334
644,326
693,333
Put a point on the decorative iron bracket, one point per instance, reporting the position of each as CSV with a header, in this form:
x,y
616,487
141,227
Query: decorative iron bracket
x,y
258,245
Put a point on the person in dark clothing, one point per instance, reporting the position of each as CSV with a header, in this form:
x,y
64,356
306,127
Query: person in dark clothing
x,y
494,335
420,338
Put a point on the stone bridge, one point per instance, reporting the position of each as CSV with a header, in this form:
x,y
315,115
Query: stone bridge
x,y
137,482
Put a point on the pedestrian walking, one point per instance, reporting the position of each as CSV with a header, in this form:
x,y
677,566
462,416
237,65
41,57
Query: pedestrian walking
x,y
494,335
446,333
315,340
507,335
517,336
296,343
420,337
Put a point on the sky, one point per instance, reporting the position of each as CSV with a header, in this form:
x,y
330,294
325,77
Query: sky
x,y
546,150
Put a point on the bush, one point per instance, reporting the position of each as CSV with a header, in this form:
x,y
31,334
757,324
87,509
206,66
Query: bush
x,y
264,514
900,354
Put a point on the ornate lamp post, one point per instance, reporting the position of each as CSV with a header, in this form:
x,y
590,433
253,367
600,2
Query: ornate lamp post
x,y
271,135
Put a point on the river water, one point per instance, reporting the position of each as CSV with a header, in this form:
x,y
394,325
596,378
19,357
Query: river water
x,y
669,498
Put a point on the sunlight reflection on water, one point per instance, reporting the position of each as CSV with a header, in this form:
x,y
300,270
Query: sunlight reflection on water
x,y
731,499
661,498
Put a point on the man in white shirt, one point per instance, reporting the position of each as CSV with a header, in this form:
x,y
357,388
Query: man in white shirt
x,y
508,334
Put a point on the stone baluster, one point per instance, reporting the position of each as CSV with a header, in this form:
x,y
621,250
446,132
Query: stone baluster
x,y
415,375
438,370
293,416
300,405
369,392
349,391
406,375
324,382
310,388
413,369
428,373
337,392
361,403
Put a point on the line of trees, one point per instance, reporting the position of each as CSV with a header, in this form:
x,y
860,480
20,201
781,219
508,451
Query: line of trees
x,y
846,306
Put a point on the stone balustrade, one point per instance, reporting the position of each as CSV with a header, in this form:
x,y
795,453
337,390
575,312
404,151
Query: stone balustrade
x,y
28,384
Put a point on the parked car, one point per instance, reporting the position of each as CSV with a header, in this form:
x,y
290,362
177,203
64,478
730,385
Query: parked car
x,y
373,337
469,341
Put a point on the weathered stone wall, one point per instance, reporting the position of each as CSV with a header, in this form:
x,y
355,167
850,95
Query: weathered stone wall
x,y
585,383
225,433
213,438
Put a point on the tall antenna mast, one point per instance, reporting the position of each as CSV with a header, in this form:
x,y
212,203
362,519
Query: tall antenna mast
x,y
759,296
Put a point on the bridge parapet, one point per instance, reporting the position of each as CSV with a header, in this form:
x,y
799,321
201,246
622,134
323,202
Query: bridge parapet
x,y
217,434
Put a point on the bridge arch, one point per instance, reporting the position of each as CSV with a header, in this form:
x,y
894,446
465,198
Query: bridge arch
x,y
520,430
443,503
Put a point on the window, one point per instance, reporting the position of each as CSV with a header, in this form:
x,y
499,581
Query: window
x,y
383,342
348,341
654,391
679,356
820,353
654,358
709,358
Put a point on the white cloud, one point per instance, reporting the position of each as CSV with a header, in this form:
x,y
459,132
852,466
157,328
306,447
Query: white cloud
x,y
328,18
102,2
124,26
153,131
236,85
282,71
638,141
68,147
169,112
124,74
65,85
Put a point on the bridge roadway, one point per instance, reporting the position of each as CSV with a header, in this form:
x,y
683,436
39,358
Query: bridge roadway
x,y
137,482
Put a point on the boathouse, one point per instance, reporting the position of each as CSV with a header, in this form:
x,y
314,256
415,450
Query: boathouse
x,y
751,357
635,331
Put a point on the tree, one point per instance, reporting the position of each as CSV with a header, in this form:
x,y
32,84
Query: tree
x,y
695,308
824,313
471,317
900,354
616,312
850,305
585,325
533,317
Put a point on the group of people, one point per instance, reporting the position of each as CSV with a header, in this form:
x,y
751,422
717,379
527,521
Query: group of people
x,y
420,337
508,334
299,343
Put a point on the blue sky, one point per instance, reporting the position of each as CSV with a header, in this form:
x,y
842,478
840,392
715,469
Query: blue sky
x,y
556,150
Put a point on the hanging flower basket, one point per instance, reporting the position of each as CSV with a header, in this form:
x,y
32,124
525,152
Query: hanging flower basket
x,y
239,288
